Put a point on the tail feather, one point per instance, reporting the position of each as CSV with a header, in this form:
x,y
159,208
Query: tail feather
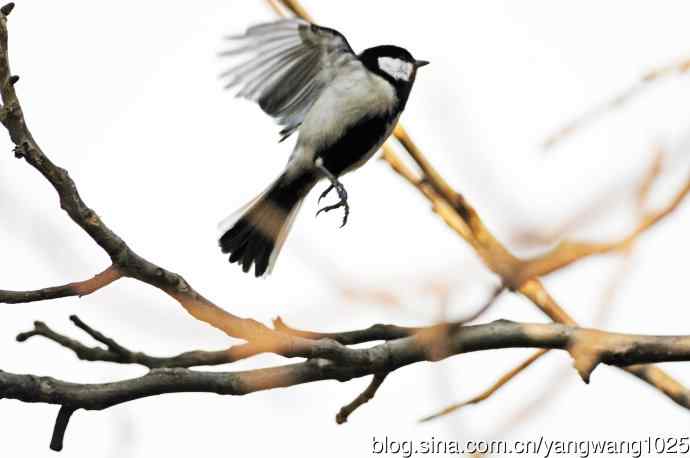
x,y
255,233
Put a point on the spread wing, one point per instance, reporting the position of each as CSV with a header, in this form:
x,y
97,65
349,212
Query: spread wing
x,y
284,66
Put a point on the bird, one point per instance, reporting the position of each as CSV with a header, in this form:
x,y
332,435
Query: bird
x,y
343,106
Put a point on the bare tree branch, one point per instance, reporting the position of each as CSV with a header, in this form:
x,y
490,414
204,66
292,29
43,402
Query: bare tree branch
x,y
588,347
364,397
568,252
61,422
370,334
289,347
81,288
116,353
126,262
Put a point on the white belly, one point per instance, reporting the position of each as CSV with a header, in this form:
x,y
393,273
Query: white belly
x,y
342,104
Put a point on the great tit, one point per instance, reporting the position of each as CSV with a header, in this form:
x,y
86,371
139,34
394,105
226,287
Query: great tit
x,y
342,105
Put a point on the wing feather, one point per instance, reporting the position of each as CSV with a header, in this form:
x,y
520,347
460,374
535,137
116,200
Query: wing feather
x,y
284,66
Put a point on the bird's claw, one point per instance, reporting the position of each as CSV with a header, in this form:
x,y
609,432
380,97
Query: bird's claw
x,y
342,194
325,193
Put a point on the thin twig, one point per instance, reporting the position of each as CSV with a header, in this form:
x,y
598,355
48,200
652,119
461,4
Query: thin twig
x,y
61,422
80,289
364,397
116,353
677,68
505,378
568,252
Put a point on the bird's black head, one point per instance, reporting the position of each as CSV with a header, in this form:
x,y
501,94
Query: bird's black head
x,y
394,64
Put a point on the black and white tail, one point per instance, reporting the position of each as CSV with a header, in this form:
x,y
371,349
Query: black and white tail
x,y
255,233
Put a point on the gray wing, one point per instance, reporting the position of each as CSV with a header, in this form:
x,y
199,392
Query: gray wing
x,y
284,66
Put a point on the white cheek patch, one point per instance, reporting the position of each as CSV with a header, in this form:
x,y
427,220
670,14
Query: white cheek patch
x,y
398,69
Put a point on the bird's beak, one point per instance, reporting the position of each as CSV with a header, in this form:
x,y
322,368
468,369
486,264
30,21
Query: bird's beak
x,y
421,63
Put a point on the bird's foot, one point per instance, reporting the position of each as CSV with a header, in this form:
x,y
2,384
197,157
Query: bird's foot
x,y
325,193
342,195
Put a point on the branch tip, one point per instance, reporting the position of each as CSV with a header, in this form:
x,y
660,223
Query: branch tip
x,y
364,397
278,323
13,79
39,328
7,9
24,336
585,359
61,422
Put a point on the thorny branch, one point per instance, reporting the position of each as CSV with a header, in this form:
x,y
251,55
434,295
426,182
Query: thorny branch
x,y
328,356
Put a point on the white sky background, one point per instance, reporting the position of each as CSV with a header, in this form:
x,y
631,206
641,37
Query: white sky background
x,y
125,96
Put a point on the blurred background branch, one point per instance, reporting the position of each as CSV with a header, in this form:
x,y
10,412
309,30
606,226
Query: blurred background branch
x,y
678,68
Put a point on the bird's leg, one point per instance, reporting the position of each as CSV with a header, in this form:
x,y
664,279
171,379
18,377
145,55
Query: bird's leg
x,y
340,189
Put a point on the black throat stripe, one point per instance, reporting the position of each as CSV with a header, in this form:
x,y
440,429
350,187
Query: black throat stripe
x,y
354,145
